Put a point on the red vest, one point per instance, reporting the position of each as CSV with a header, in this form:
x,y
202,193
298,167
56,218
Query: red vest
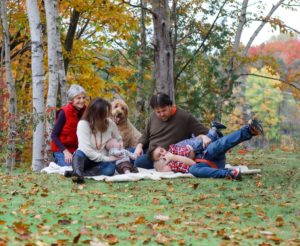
x,y
68,135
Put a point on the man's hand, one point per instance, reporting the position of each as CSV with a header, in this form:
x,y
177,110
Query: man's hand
x,y
138,150
206,141
68,156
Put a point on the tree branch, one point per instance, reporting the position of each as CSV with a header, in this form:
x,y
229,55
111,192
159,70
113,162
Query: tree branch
x,y
267,77
202,44
139,6
82,29
258,29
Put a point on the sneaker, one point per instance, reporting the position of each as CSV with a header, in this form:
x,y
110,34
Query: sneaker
x,y
256,128
218,125
68,174
235,174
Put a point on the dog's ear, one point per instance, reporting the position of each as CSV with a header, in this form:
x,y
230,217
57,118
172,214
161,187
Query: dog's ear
x,y
126,109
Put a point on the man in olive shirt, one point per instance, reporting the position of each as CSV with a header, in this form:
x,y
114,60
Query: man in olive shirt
x,y
166,125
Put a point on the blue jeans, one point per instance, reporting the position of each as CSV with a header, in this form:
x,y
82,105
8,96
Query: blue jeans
x,y
216,151
59,159
106,168
144,161
197,143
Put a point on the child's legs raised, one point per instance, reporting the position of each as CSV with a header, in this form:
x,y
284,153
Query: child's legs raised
x,y
218,148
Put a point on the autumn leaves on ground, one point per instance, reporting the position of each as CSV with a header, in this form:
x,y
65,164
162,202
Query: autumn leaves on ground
x,y
40,209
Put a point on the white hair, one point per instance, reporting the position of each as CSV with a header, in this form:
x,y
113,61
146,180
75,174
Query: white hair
x,y
75,90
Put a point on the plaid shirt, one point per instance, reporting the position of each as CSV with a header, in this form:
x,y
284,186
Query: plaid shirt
x,y
177,166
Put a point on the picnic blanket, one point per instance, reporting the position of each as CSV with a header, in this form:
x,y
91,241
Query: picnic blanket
x,y
143,173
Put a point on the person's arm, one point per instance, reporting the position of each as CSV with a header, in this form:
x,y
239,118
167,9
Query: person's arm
x,y
58,126
177,158
143,141
132,156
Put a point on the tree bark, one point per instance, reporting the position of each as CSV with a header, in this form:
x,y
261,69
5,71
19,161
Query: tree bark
x,y
163,51
70,36
12,107
37,84
60,59
52,71
140,99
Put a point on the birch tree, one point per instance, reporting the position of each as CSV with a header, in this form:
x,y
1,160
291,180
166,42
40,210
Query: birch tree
x,y
52,70
12,108
37,84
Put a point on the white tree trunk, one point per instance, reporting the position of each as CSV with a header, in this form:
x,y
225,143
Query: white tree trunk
x,y
52,71
163,48
37,84
10,158
60,59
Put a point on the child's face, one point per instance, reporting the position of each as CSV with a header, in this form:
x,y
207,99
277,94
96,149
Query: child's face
x,y
158,153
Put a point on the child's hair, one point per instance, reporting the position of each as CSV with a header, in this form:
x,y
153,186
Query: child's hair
x,y
97,114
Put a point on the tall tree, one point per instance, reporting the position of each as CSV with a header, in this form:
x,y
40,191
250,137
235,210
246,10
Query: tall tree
x,y
51,21
10,159
38,78
163,50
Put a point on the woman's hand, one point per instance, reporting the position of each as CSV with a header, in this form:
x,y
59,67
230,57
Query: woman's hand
x,y
114,158
68,156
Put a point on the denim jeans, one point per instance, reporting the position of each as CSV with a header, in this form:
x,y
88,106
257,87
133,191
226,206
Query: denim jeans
x,y
144,161
106,168
59,159
216,151
197,143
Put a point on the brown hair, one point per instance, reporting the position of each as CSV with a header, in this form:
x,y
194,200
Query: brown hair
x,y
97,114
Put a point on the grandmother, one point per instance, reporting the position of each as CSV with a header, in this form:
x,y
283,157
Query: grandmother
x,y
64,138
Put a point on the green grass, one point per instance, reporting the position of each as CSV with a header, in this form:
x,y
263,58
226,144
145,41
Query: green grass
x,y
39,209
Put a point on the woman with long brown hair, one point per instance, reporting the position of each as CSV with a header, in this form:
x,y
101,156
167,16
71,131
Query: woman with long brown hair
x,y
94,130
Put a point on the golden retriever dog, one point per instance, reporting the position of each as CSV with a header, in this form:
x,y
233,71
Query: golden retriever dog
x,y
129,133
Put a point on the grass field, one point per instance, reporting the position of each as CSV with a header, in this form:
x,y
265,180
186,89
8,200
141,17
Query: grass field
x,y
39,209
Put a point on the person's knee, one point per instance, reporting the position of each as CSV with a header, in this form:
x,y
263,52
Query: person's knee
x,y
109,170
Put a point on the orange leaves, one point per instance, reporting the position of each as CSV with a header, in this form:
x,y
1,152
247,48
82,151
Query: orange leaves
x,y
111,239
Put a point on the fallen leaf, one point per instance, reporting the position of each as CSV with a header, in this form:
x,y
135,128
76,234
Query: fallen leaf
x,y
140,220
76,239
279,222
162,217
64,222
161,239
266,233
111,239
155,201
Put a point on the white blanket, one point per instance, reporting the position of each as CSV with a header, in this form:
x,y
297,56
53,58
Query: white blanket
x,y
143,173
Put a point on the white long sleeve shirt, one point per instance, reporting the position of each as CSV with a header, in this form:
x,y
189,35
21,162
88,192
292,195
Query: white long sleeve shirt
x,y
91,145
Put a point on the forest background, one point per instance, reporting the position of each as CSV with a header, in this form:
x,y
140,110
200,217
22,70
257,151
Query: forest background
x,y
189,49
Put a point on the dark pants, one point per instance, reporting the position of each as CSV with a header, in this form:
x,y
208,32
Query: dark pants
x,y
92,168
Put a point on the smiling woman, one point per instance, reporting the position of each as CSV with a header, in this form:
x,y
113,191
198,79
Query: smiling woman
x,y
64,138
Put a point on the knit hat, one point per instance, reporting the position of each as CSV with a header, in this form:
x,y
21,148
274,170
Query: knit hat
x,y
75,90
